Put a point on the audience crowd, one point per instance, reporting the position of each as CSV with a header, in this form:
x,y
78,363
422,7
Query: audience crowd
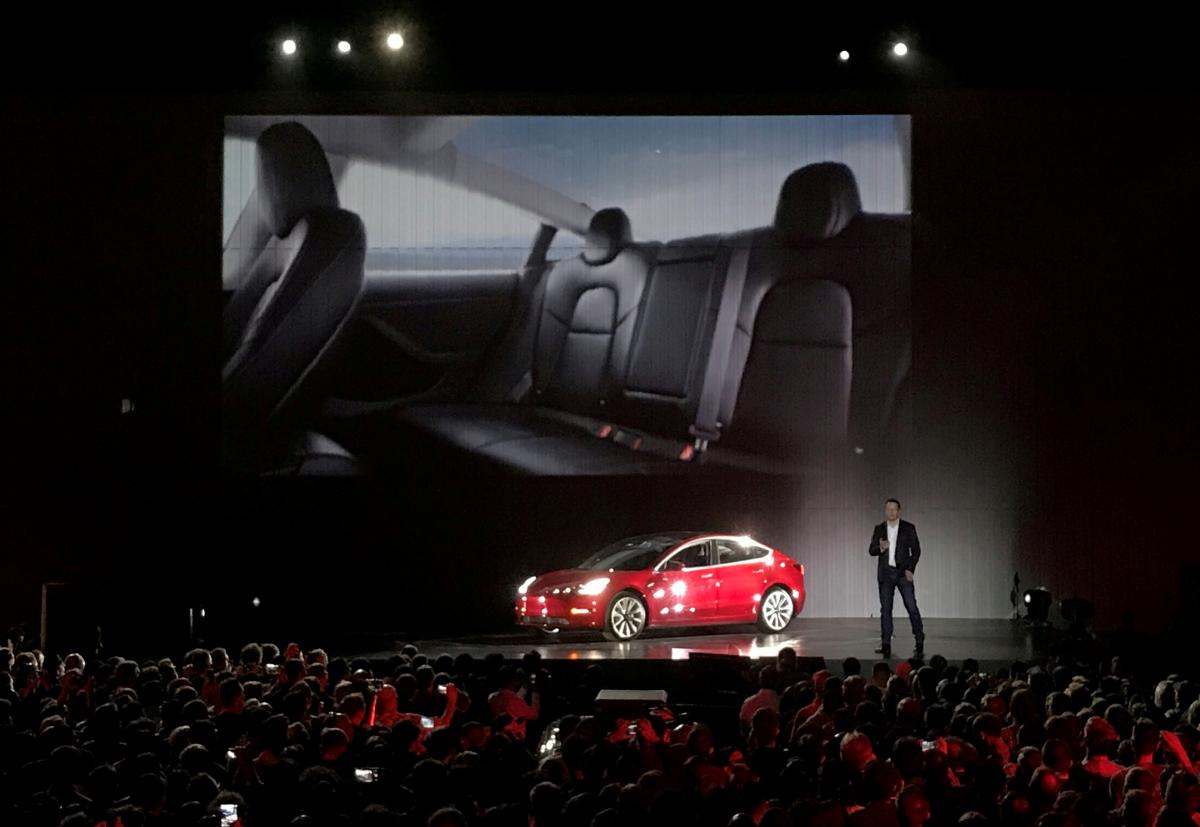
x,y
260,736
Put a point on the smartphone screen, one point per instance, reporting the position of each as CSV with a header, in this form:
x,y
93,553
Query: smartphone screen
x,y
427,722
229,815
367,775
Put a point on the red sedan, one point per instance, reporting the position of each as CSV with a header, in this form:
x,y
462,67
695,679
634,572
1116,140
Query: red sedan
x,y
673,578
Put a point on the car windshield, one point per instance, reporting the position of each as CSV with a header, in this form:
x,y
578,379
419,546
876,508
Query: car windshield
x,y
633,554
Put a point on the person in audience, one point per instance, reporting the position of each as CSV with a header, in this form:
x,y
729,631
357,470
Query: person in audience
x,y
767,696
509,701
323,741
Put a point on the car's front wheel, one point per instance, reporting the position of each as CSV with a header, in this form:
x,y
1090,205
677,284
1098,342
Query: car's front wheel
x,y
776,610
626,617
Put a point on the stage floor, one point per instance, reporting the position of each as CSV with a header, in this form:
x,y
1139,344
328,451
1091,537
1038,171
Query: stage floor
x,y
830,638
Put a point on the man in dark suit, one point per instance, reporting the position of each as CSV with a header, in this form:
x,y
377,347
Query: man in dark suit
x,y
895,543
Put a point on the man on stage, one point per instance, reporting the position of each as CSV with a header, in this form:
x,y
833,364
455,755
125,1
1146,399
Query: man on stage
x,y
895,543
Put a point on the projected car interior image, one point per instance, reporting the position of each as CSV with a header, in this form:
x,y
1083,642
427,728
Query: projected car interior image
x,y
564,296
671,579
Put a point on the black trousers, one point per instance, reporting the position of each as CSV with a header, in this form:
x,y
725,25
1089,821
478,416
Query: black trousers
x,y
890,579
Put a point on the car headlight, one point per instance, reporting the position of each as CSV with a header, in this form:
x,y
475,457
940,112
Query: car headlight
x,y
594,587
524,587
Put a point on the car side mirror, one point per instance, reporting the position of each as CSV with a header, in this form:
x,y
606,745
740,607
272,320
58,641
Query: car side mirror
x,y
673,565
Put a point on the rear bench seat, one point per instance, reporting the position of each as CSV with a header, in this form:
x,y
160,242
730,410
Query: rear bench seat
x,y
586,323
620,352
625,345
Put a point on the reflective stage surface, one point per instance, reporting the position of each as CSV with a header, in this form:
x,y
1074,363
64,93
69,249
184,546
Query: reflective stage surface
x,y
831,638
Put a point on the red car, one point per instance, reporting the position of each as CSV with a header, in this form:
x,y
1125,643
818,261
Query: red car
x,y
673,578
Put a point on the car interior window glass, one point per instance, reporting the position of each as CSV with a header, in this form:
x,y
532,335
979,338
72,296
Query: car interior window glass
x,y
416,223
695,556
729,551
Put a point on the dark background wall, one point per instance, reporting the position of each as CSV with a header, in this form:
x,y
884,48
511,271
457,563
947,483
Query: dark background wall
x,y
1053,353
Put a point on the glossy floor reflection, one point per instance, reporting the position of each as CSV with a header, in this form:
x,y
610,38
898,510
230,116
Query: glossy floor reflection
x,y
831,638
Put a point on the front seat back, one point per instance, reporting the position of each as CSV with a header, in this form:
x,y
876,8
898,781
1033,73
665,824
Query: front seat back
x,y
280,326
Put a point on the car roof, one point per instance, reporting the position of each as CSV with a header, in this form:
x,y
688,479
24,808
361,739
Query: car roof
x,y
687,536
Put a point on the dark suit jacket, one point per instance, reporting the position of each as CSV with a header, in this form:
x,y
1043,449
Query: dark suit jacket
x,y
908,547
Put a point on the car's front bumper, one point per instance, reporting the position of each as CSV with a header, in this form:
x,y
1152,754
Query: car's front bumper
x,y
554,612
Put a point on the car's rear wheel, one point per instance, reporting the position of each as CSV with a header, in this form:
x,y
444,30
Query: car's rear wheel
x,y
776,610
625,618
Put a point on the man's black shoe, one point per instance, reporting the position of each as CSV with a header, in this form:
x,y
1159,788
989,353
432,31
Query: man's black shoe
x,y
885,650
919,649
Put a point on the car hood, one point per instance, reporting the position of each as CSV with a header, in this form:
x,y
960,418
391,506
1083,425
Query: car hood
x,y
570,578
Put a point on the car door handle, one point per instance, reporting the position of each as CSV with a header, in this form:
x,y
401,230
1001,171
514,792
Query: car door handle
x,y
706,576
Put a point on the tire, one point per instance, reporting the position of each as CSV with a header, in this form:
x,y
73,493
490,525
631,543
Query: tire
x,y
625,618
776,610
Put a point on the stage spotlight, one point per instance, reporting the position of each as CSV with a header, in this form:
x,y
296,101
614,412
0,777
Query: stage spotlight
x,y
289,47
395,42
843,55
343,47
256,602
900,49
1037,605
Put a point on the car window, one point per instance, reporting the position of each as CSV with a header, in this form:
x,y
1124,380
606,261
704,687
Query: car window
x,y
683,176
414,223
566,244
633,554
240,180
418,224
695,556
731,551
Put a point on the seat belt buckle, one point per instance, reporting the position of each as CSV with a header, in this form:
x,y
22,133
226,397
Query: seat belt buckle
x,y
704,436
631,441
